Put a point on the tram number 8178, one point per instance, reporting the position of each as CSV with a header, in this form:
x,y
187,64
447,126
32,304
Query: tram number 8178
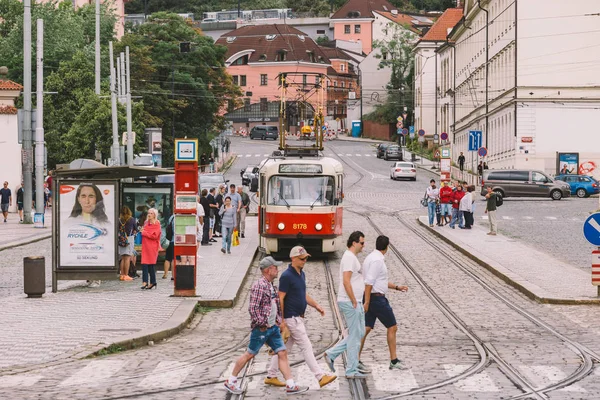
x,y
300,226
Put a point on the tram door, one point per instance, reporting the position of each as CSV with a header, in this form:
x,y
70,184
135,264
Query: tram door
x,y
262,203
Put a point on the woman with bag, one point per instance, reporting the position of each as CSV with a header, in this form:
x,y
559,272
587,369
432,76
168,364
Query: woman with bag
x,y
151,233
228,221
127,228
432,195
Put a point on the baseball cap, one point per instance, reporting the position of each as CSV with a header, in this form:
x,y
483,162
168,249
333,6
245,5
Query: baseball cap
x,y
268,261
298,251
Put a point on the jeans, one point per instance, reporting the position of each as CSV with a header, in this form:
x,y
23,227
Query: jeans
x,y
355,320
431,211
468,219
227,232
241,220
149,268
299,337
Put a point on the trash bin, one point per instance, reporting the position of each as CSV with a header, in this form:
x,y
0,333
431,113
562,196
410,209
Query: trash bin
x,y
34,276
413,157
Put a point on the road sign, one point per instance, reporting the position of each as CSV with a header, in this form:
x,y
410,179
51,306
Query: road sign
x,y
436,138
421,132
591,229
482,152
399,125
445,152
474,140
444,136
323,128
411,129
399,119
399,131
404,132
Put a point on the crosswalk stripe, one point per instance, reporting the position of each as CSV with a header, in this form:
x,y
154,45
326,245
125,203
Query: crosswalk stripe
x,y
255,380
257,155
248,155
551,218
367,155
480,382
10,381
265,155
340,155
544,375
304,377
167,375
485,217
507,217
349,155
387,380
94,373
529,218
358,155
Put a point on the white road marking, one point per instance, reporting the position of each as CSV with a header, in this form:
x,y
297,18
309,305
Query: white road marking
x,y
485,217
304,377
551,218
265,155
393,380
340,155
481,382
95,373
257,155
507,218
544,375
529,218
255,380
167,375
358,155
349,155
9,381
248,155
367,155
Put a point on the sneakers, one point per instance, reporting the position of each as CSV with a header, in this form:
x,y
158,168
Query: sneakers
x,y
357,375
492,233
363,368
326,379
242,236
296,389
398,365
94,284
329,363
233,388
222,250
274,382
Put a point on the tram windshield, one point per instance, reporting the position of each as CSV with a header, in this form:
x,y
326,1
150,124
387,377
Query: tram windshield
x,y
301,190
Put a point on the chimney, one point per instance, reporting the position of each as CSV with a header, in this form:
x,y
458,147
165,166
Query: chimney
x,y
458,5
395,12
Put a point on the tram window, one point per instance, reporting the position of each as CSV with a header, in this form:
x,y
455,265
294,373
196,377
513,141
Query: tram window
x,y
301,190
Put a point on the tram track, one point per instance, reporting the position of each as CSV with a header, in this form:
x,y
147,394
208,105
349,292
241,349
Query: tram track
x,y
486,351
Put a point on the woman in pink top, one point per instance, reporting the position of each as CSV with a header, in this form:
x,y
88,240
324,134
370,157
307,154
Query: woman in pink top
x,y
150,244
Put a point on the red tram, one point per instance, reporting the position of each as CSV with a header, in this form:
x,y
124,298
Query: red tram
x,y
300,203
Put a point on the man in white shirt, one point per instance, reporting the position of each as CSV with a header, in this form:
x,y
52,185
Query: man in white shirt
x,y
349,299
376,304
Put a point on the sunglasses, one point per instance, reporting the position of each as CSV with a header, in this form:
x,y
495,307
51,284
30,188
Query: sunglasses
x,y
361,243
303,259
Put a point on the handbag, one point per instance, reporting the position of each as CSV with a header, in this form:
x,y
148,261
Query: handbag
x,y
235,239
424,200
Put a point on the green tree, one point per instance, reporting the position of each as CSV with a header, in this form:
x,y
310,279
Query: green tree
x,y
397,48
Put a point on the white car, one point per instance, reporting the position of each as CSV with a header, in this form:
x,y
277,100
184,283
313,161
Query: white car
x,y
403,169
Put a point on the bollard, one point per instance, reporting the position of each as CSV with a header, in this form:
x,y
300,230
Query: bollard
x,y
34,276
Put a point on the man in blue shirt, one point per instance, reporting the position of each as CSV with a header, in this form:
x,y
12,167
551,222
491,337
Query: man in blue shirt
x,y
293,301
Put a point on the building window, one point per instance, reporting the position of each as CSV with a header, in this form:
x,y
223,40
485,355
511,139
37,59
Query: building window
x,y
235,79
349,85
264,106
304,79
230,106
343,84
281,55
346,28
242,80
320,31
384,55
247,104
263,80
356,28
241,61
342,67
334,83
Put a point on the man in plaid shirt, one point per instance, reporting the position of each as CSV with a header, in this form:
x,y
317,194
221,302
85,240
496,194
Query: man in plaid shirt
x,y
265,315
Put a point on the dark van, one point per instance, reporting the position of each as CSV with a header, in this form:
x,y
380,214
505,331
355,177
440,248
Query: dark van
x,y
523,183
264,132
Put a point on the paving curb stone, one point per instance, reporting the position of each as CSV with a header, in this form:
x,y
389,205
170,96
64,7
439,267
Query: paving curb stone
x,y
507,279
25,242
181,318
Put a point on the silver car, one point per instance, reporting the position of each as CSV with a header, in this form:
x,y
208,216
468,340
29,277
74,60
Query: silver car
x,y
523,183
403,169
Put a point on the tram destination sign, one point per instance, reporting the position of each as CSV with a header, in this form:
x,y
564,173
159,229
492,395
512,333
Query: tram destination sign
x,y
301,169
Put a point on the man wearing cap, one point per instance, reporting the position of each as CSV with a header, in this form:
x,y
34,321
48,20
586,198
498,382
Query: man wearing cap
x,y
293,300
267,325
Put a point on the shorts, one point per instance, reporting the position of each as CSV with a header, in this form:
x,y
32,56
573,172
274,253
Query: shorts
x,y
170,252
271,336
380,309
212,222
4,207
446,208
20,206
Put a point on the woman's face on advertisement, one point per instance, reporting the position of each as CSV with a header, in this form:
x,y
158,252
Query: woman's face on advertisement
x,y
87,199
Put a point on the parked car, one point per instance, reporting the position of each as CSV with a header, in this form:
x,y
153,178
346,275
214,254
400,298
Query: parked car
x,y
381,149
264,132
581,185
249,173
208,181
523,183
393,152
402,169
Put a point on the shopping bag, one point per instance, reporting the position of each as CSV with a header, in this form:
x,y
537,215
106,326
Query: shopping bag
x,y
235,239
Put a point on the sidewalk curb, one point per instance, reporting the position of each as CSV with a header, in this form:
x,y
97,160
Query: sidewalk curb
x,y
25,242
508,280
364,140
178,321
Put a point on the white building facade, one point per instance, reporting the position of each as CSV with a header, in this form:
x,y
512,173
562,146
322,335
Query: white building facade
x,y
542,94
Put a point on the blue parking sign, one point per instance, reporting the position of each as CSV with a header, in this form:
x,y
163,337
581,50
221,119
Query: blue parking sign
x,y
591,229
474,140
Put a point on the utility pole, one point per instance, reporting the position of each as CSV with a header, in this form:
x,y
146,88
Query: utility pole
x,y
39,130
129,134
116,156
98,47
26,152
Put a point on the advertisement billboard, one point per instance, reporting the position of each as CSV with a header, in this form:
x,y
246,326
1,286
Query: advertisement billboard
x,y
87,220
567,163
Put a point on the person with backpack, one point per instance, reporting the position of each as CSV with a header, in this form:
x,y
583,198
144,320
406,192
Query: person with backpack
x,y
490,210
170,252
127,228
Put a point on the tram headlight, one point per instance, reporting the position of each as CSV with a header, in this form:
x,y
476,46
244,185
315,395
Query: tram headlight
x,y
318,226
281,226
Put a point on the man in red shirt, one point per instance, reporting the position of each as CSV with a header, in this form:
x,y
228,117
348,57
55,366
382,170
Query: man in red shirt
x,y
445,203
457,216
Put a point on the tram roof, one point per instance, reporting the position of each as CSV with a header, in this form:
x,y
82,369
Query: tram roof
x,y
329,165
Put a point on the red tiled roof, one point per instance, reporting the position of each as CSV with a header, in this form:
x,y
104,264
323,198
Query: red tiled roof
x,y
365,8
335,53
439,30
297,44
403,19
9,85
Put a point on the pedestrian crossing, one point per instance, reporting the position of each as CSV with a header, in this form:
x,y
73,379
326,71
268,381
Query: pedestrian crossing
x,y
326,154
171,375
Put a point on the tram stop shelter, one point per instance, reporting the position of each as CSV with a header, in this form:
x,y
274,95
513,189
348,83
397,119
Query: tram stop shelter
x,y
85,221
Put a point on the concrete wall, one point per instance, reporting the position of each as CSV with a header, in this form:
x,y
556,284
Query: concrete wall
x,y
377,131
10,162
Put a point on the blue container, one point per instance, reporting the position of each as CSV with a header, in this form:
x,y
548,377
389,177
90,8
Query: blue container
x,y
355,128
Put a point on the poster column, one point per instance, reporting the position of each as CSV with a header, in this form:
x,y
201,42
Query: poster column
x,y
186,220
